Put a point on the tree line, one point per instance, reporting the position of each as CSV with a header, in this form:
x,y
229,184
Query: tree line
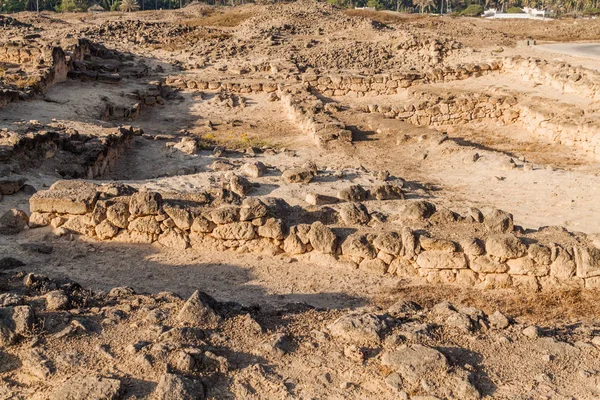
x,y
456,7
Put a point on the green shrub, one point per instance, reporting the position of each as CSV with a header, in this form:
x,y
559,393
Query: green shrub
x,y
591,11
514,10
374,4
474,10
116,6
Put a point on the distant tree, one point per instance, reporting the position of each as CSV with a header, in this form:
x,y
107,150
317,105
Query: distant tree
x,y
129,5
423,4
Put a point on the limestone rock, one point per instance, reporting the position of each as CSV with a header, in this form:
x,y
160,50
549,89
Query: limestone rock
x,y
173,240
199,310
415,363
235,231
105,230
254,169
322,238
419,209
240,185
293,245
273,229
297,175
354,214
88,387
389,242
81,224
118,215
65,197
180,216
225,215
387,191
498,221
316,199
147,224
145,203
435,259
13,221
202,225
177,387
498,320
359,246
361,327
505,246
56,300
14,322
353,193
252,208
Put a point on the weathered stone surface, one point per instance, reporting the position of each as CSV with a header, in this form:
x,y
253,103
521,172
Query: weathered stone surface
x,y
376,266
11,184
498,221
225,215
354,214
316,199
587,260
180,216
498,320
252,208
353,193
409,243
389,242
436,259
505,246
273,229
13,221
88,387
415,363
81,224
254,169
419,209
322,238
105,230
293,245
199,310
540,254
297,175
240,185
177,387
37,220
14,322
401,267
526,266
472,247
484,264
202,225
387,191
563,267
235,231
65,197
147,224
435,244
118,215
358,245
361,327
56,300
145,203
173,240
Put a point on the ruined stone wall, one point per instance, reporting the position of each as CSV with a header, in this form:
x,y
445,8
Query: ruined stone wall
x,y
502,257
306,111
84,156
563,77
392,83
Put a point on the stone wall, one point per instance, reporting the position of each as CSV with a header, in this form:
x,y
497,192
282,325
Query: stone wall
x,y
553,121
308,112
500,256
561,76
82,156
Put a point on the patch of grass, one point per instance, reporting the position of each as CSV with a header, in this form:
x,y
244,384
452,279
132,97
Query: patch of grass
x,y
543,307
226,19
